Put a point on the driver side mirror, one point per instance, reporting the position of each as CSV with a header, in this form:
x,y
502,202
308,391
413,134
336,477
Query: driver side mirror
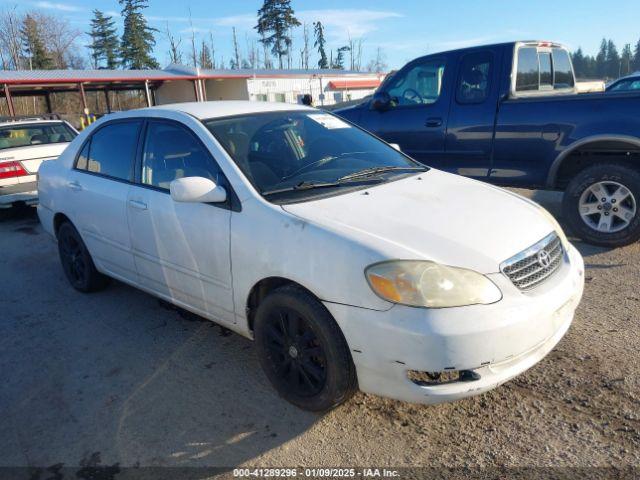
x,y
197,190
381,101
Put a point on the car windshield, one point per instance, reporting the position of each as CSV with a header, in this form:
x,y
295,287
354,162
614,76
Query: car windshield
x,y
287,152
14,136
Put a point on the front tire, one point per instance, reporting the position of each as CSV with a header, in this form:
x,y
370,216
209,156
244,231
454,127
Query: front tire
x,y
302,350
601,205
76,261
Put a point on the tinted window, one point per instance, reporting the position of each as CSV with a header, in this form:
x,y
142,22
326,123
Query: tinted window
x,y
546,78
112,150
562,73
527,77
36,134
475,75
418,84
172,152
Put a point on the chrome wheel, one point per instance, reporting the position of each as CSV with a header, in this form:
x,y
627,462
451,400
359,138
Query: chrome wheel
x,y
607,206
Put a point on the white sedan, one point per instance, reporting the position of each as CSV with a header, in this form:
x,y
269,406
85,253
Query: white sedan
x,y
351,265
24,145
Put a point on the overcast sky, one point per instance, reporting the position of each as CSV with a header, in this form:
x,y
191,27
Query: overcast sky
x,y
404,30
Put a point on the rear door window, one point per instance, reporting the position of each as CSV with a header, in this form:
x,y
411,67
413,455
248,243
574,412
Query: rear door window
x,y
111,150
475,78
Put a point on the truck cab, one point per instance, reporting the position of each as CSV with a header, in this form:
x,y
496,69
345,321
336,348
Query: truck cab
x,y
511,114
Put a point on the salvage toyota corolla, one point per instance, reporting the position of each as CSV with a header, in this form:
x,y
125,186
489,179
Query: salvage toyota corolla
x,y
351,265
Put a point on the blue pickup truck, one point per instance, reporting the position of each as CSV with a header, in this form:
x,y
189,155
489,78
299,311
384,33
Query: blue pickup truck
x,y
510,114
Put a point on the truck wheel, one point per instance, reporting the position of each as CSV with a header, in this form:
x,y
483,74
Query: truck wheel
x,y
302,350
601,205
76,261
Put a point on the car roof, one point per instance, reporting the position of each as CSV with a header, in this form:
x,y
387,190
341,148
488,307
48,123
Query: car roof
x,y
224,108
19,123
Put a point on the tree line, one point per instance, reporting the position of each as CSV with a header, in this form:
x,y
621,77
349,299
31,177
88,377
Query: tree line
x,y
608,63
35,40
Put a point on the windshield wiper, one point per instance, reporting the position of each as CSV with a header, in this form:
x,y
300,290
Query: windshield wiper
x,y
306,185
367,172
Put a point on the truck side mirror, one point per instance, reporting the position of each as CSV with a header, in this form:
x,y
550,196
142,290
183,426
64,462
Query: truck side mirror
x,y
381,101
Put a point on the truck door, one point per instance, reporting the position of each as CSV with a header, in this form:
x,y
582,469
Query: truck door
x,y
472,114
416,118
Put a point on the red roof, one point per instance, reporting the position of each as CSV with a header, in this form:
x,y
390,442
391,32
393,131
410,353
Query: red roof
x,y
348,84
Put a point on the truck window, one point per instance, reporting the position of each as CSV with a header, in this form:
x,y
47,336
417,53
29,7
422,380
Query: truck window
x,y
546,77
527,77
474,79
562,73
419,84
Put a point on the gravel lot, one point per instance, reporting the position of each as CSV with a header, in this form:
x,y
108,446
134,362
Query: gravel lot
x,y
116,377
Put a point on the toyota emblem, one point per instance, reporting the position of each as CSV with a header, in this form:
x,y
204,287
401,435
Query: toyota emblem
x,y
544,259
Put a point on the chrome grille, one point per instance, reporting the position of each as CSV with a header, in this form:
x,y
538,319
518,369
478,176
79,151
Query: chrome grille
x,y
533,266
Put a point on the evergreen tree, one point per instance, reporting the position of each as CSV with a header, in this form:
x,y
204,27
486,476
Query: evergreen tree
x,y
636,57
236,50
339,62
612,61
275,20
33,47
319,44
601,60
104,41
579,63
137,39
626,60
205,56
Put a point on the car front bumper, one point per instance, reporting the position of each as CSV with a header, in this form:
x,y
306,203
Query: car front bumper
x,y
496,342
26,193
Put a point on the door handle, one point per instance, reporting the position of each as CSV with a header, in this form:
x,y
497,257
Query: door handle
x,y
74,186
138,204
433,122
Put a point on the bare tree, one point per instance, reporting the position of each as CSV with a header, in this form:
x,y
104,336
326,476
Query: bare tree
x,y
212,47
60,39
305,47
252,52
194,52
175,55
10,41
378,64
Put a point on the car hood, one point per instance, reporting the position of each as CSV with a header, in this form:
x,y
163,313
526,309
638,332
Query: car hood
x,y
435,216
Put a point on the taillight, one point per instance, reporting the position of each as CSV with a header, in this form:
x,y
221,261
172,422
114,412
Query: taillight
x,y
11,169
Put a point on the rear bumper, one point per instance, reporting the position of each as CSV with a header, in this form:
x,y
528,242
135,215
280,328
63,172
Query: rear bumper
x,y
497,341
18,193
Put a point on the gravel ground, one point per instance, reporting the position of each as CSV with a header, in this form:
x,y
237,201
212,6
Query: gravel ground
x,y
117,378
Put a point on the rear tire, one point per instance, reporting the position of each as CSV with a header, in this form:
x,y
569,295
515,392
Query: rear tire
x,y
601,205
302,350
76,261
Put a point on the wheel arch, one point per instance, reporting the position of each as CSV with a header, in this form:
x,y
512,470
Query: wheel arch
x,y
264,287
617,147
58,219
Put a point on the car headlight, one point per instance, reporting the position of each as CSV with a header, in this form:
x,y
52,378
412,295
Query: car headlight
x,y
420,283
